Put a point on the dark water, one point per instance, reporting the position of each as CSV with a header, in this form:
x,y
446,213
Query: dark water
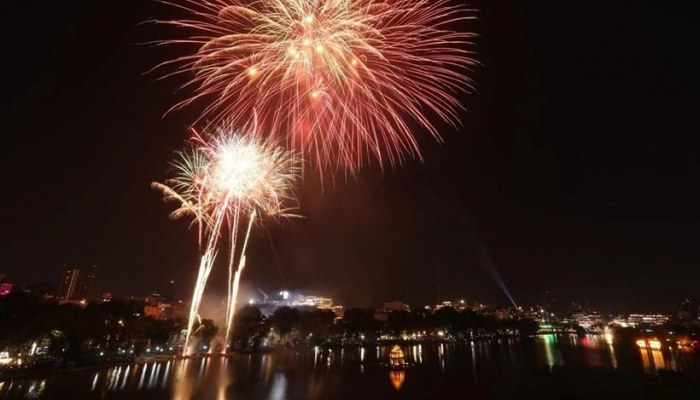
x,y
549,367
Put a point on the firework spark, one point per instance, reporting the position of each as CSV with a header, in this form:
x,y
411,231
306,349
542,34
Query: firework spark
x,y
338,79
223,180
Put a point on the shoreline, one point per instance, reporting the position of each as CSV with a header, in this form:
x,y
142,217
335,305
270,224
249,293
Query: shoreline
x,y
56,370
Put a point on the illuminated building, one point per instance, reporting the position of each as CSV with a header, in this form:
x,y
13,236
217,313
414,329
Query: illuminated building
x,y
313,301
460,305
77,283
650,319
482,308
443,304
162,310
285,298
396,357
587,321
395,306
381,315
162,306
338,311
153,299
105,297
5,286
5,357
502,314
634,320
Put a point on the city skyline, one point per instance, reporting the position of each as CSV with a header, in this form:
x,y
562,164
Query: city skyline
x,y
551,184
78,284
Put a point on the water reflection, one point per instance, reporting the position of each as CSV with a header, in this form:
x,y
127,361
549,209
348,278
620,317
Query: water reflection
x,y
397,378
143,375
153,380
36,389
268,376
224,380
279,388
94,381
184,383
553,356
166,375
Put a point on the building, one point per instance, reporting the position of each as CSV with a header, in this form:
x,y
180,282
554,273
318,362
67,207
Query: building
x,y
647,319
547,301
381,315
5,286
460,305
502,314
580,307
153,299
165,310
688,310
312,302
588,321
395,306
105,297
77,283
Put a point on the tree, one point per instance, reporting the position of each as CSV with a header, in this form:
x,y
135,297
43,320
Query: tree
x,y
24,318
249,328
400,321
206,330
360,320
72,324
445,318
527,326
470,320
315,324
284,319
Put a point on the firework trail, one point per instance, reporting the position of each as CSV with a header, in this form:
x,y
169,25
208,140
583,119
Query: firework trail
x,y
223,179
340,80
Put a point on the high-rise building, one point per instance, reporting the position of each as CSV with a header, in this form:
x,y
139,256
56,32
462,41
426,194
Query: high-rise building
x,y
580,307
77,283
688,310
547,301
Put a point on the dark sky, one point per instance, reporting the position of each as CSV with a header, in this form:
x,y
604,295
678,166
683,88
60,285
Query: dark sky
x,y
576,169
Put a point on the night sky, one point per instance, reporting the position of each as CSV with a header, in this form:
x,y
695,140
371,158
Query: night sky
x,y
576,168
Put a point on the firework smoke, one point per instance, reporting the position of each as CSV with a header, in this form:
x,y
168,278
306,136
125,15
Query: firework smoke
x,y
223,180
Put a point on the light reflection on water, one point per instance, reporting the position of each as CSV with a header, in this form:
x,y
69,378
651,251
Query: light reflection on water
x,y
316,373
397,378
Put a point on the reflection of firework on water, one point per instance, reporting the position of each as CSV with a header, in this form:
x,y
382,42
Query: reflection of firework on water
x,y
224,180
337,78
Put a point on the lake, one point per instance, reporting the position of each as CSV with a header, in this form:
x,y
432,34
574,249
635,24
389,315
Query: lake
x,y
546,367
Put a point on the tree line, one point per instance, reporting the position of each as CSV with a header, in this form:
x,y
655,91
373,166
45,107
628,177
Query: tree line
x,y
120,328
